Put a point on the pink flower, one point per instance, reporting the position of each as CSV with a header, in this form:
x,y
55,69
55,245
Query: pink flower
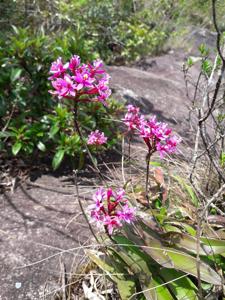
x,y
58,68
132,118
64,87
156,135
74,62
83,78
99,194
112,222
169,146
103,96
97,64
126,214
111,209
97,67
119,195
96,138
89,82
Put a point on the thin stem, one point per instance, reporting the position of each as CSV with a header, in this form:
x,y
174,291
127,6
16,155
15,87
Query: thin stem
x,y
109,236
81,207
148,157
129,153
122,162
77,128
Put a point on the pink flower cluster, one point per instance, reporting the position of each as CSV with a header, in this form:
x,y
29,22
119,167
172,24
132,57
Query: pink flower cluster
x,y
96,138
156,135
132,118
81,82
111,209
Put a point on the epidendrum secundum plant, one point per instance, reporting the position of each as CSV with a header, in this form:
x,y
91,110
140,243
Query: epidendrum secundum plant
x,y
158,138
81,83
148,261
157,135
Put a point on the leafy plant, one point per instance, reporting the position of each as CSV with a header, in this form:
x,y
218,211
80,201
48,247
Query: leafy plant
x,y
54,135
159,265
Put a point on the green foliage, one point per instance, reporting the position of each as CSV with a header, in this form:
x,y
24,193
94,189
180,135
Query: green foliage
x,y
139,39
222,159
35,124
161,254
188,189
25,59
158,264
53,134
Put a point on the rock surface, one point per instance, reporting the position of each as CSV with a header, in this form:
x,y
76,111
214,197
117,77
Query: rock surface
x,y
37,227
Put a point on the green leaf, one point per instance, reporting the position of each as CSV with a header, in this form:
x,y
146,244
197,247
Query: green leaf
x,y
57,159
182,288
6,134
187,242
222,159
140,263
170,228
154,243
126,289
188,264
180,227
136,257
188,189
160,290
182,261
155,163
190,62
54,129
217,246
125,286
207,67
203,50
102,262
41,146
15,74
15,29
16,148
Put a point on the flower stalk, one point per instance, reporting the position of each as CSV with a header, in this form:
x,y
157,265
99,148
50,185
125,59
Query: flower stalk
x,y
148,158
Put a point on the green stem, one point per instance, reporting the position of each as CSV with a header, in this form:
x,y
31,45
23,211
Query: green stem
x,y
77,128
148,157
129,153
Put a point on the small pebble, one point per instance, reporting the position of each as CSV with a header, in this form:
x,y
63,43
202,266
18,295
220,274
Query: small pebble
x,y
18,285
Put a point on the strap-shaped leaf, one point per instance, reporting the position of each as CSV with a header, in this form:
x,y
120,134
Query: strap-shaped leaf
x,y
139,261
57,159
189,190
125,286
180,225
217,246
188,264
134,252
154,243
187,242
157,290
181,287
